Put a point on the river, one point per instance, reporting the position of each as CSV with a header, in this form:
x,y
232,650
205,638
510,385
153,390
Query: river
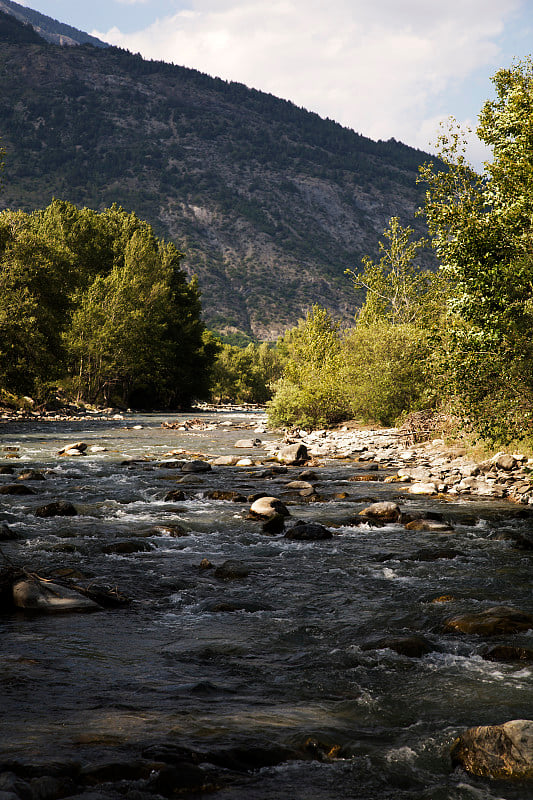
x,y
279,658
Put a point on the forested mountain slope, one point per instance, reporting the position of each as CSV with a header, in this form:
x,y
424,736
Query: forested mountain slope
x,y
271,203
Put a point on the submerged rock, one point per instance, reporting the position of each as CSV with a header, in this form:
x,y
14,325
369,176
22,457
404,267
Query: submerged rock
x,y
232,570
7,534
496,620
174,496
16,488
37,595
497,751
505,652
219,494
59,508
410,646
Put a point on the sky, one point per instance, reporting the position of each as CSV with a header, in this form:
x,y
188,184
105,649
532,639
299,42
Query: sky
x,y
385,68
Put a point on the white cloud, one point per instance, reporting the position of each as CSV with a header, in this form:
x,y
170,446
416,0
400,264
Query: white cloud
x,y
379,66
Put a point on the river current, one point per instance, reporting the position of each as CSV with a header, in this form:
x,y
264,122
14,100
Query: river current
x,y
279,657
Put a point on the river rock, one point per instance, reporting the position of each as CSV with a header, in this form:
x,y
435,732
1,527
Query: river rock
x,y
75,449
299,485
7,534
174,496
410,646
232,570
268,506
274,525
31,475
225,461
493,621
504,461
308,532
126,547
428,525
168,530
385,511
6,469
505,652
293,454
247,443
16,488
184,777
37,595
59,508
196,466
220,494
422,488
497,751
244,462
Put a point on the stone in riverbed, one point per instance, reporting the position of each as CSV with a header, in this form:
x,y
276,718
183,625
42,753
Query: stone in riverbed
x,y
268,506
497,751
385,511
16,488
174,496
75,449
410,646
7,534
293,454
232,570
127,547
225,461
31,475
428,525
196,466
273,525
308,532
510,653
220,494
59,508
493,621
422,488
37,595
247,443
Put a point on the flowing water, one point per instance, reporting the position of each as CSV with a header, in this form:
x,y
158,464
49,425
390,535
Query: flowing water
x,y
274,658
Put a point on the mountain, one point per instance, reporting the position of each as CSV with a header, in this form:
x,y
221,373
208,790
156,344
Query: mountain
x,y
47,28
270,202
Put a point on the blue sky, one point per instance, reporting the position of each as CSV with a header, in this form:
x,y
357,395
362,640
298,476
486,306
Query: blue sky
x,y
386,68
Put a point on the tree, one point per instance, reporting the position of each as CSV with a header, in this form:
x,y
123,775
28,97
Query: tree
x,y
311,391
482,231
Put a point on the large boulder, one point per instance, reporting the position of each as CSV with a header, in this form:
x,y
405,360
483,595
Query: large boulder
x,y
497,751
293,454
247,443
44,596
268,506
493,621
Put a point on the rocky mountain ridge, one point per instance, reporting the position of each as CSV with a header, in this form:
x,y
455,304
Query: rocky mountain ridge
x,y
270,202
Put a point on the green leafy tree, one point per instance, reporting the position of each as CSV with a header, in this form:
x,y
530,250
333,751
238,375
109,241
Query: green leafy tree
x,y
481,229
245,375
311,391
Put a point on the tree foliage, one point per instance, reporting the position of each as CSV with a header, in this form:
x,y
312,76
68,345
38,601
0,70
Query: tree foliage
x,y
245,375
481,229
99,298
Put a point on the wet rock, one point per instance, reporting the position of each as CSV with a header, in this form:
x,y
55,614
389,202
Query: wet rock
x,y
308,475
48,787
6,469
16,488
410,646
299,485
274,525
37,595
493,621
105,596
196,466
168,530
428,525
127,547
234,497
11,784
206,564
171,781
7,534
510,653
232,570
245,462
253,757
247,443
293,454
75,449
271,472
113,771
174,496
171,464
225,461
385,511
497,751
308,532
31,475
59,508
268,506
434,555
